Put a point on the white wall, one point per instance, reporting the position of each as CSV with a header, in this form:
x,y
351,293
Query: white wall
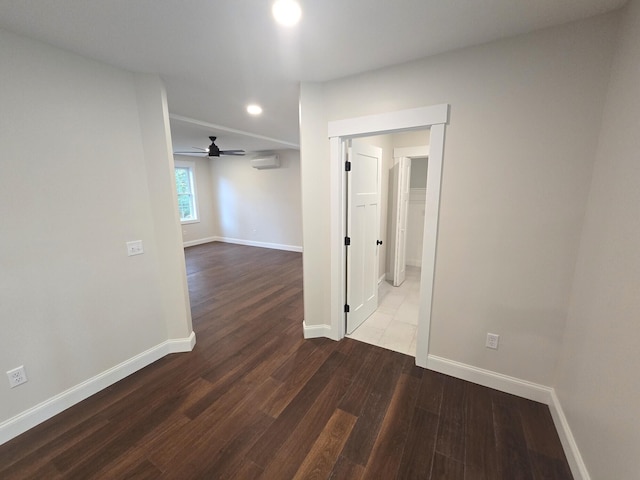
x,y
598,383
413,138
85,167
258,206
418,173
316,203
207,226
518,157
153,118
241,204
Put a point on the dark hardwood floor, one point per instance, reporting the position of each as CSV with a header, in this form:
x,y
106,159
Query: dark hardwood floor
x,y
256,400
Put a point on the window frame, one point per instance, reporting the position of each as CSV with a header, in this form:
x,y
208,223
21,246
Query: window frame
x,y
190,166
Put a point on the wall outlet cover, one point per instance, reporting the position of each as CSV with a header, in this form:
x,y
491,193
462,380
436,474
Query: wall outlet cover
x,y
17,376
135,248
493,340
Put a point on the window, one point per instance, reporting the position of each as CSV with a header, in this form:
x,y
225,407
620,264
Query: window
x,y
185,186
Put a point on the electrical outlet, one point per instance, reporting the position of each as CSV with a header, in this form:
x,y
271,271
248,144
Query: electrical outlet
x,y
492,340
135,248
17,376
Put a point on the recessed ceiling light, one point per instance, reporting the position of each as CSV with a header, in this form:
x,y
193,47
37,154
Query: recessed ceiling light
x,y
286,12
254,109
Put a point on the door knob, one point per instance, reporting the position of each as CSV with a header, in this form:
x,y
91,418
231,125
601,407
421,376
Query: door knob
x,y
378,242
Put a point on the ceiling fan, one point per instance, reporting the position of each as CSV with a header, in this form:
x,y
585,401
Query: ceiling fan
x,y
212,151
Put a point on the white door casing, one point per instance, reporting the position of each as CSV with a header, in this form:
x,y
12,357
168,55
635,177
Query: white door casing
x,y
363,226
434,117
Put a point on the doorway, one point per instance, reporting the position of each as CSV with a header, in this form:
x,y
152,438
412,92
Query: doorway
x,y
435,118
407,199
393,324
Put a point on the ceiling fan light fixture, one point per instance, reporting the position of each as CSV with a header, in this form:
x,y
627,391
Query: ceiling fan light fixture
x,y
212,151
254,109
286,12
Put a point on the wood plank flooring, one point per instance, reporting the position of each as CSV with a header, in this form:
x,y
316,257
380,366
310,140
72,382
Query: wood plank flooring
x,y
256,400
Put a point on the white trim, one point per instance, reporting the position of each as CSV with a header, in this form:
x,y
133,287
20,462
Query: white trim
x,y
430,241
238,241
488,378
252,243
521,388
337,233
181,345
381,278
318,331
33,416
412,119
578,467
213,126
411,152
200,241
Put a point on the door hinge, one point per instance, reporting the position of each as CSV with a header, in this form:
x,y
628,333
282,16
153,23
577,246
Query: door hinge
x,y
346,308
347,241
347,166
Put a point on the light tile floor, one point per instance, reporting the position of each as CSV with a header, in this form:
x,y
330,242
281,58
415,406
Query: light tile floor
x,y
394,324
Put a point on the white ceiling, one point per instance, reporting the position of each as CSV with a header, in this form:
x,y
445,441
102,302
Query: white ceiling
x,y
215,56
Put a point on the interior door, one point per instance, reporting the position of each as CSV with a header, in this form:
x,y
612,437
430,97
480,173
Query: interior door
x,y
402,176
363,219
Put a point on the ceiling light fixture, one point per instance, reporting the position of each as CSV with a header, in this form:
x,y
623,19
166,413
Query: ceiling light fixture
x,y
286,12
254,109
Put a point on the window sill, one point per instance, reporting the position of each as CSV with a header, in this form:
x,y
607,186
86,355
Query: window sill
x,y
187,222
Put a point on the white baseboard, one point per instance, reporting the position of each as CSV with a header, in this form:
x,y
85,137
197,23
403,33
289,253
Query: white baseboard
x,y
251,243
381,278
33,416
488,378
521,388
200,241
318,331
414,262
238,241
578,467
181,345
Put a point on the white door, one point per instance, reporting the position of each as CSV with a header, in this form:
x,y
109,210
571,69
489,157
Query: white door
x,y
402,175
363,219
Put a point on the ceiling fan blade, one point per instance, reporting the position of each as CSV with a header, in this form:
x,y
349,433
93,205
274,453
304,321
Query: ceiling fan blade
x,y
212,151
232,152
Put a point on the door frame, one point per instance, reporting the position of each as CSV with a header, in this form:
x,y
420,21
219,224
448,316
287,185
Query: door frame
x,y
339,131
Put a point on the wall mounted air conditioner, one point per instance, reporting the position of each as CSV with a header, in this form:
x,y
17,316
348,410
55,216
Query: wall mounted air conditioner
x,y
269,161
